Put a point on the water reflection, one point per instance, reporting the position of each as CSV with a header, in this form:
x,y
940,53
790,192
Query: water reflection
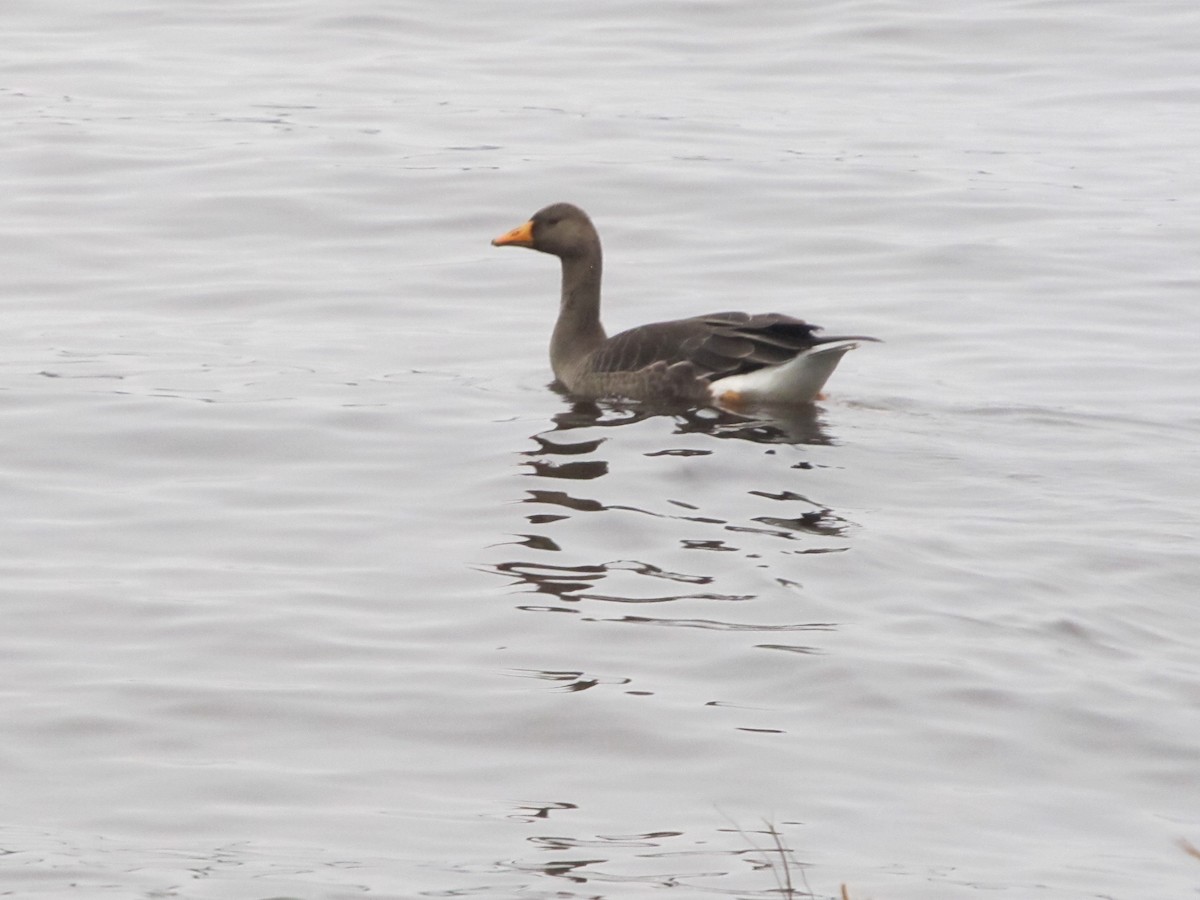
x,y
568,682
732,862
579,471
764,425
574,583
590,480
529,812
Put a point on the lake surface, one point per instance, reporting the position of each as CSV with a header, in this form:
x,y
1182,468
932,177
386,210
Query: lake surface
x,y
312,587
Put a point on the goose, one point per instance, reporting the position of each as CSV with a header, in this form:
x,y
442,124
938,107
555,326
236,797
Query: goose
x,y
729,360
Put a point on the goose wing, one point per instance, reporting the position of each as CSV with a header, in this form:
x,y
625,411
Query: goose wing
x,y
717,344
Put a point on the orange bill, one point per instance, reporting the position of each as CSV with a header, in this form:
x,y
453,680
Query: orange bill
x,y
521,236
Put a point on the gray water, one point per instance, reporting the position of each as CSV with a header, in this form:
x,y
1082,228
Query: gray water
x,y
313,588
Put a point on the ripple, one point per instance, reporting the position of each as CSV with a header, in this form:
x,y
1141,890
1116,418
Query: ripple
x,y
716,625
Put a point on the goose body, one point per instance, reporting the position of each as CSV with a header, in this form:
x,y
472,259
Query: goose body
x,y
728,359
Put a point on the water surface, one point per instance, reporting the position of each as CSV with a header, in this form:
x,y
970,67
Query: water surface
x,y
312,587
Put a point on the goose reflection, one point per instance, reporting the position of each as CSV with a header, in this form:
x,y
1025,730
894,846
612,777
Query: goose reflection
x,y
760,424
608,524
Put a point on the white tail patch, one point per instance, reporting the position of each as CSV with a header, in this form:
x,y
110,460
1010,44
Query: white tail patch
x,y
799,380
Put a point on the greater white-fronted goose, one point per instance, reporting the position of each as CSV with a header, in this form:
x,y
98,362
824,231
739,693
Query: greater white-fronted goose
x,y
729,359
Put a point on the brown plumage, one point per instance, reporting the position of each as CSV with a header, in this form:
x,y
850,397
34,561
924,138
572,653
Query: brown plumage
x,y
716,358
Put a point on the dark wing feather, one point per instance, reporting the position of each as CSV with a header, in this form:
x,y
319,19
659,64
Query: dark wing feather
x,y
719,344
